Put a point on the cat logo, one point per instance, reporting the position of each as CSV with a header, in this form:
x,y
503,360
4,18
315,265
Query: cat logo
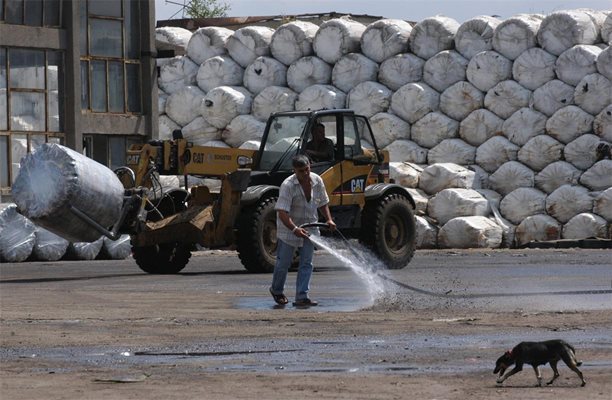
x,y
357,185
133,159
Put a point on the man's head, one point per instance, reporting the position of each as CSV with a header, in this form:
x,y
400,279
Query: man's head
x,y
318,131
301,166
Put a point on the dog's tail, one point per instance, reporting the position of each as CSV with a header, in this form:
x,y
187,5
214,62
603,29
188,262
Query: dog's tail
x,y
572,352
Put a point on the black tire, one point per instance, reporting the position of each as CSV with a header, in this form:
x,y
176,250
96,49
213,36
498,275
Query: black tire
x,y
257,236
165,258
389,229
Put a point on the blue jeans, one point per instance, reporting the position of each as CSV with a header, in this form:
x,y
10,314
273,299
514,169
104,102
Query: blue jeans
x,y
284,256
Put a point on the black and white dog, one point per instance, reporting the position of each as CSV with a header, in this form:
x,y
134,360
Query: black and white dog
x,y
536,354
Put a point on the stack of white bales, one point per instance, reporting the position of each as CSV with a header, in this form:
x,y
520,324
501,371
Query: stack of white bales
x,y
492,124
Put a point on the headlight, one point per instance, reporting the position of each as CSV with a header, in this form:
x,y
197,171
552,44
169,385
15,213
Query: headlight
x,y
243,161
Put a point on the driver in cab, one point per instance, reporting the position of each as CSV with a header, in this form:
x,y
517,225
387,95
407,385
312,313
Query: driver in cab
x,y
320,148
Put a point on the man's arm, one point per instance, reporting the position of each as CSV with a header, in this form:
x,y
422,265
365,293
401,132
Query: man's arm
x,y
288,222
328,218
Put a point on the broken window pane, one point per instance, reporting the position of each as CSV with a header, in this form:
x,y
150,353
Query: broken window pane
x,y
27,111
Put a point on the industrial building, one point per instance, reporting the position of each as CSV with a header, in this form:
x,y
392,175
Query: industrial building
x,y
76,72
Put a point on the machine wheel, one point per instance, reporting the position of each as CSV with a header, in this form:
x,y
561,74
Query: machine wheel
x,y
391,230
164,258
257,236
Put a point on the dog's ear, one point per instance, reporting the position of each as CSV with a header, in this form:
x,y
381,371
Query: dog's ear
x,y
508,353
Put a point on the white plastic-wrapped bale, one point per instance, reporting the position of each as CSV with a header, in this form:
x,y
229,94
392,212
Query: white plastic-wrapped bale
x,y
250,145
437,177
581,152
183,106
420,199
470,232
308,71
55,179
224,103
385,38
567,201
119,249
84,250
405,173
241,129
49,246
585,225
264,72
177,73
17,237
599,176
352,69
433,35
387,128
604,62
452,151
492,197
426,234
516,34
537,228
602,205
273,99
208,42
292,41
172,38
401,69
599,19
510,176
523,125
444,69
475,35
487,69
561,30
533,68
494,152
593,93
369,98
479,126
318,97
555,175
406,151
168,182
161,102
451,203
522,203
337,37
166,126
506,98
568,123
576,63
606,29
413,101
460,99
219,71
540,151
248,43
602,124
433,128
216,143
552,96
199,131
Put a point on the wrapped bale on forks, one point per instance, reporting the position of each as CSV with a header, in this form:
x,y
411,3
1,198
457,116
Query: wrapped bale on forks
x,y
57,187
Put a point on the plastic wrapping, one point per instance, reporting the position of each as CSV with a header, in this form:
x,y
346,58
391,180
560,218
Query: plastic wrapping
x,y
604,62
475,35
337,37
433,128
308,71
353,69
318,97
55,178
385,38
567,123
241,129
119,249
388,128
522,203
433,35
49,246
406,151
602,124
183,106
452,151
166,127
219,71
437,177
369,98
426,234
460,99
487,69
248,43
516,34
17,238
563,29
602,205
479,126
585,225
599,176
208,42
494,152
273,99
470,232
533,68
581,152
557,174
553,96
224,103
567,201
172,38
444,69
199,131
413,101
576,63
177,73
539,227
405,174
451,203
419,196
523,125
292,41
510,176
506,98
540,151
401,69
593,93
264,72
84,250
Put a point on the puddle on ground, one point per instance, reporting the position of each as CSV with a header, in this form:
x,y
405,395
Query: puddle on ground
x,y
325,304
